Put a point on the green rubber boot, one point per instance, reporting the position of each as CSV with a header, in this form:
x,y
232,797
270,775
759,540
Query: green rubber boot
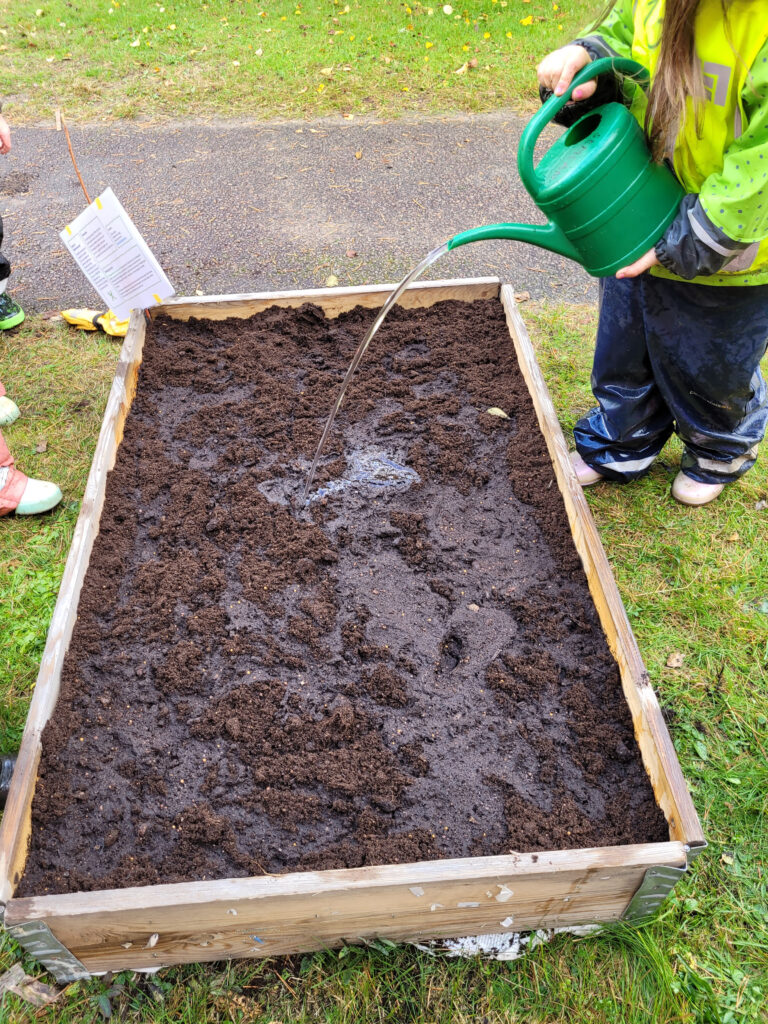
x,y
11,313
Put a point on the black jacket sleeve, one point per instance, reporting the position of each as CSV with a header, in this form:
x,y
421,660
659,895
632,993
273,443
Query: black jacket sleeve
x,y
693,247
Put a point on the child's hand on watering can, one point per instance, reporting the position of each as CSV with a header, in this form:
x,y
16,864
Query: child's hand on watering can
x,y
650,259
557,69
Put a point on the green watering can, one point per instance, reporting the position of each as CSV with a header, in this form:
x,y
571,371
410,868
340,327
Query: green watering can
x,y
606,201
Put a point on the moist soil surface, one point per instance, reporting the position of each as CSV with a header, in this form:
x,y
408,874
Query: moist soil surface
x,y
408,668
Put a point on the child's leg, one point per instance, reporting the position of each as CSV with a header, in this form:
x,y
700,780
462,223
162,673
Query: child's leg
x,y
11,313
624,434
5,266
706,344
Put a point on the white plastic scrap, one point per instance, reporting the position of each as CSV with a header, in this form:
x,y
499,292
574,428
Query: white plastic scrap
x,y
508,946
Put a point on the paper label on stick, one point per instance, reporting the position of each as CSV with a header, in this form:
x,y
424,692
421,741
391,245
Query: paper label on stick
x,y
115,258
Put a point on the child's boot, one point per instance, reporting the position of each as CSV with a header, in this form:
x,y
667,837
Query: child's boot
x,y
18,493
688,491
11,313
584,473
9,411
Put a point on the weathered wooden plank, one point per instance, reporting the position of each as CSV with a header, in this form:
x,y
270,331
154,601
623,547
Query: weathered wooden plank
x,y
333,301
14,833
166,924
652,736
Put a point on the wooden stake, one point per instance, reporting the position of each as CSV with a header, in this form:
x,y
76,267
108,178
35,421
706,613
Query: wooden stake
x,y
71,153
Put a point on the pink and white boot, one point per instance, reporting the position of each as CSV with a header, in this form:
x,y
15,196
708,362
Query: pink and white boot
x,y
18,493
9,411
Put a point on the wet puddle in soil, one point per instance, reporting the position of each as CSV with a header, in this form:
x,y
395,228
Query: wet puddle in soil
x,y
370,471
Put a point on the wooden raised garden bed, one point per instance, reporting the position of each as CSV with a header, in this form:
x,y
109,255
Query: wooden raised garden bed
x,y
397,714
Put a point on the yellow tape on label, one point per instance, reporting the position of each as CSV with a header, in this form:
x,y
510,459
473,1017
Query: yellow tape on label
x,y
99,204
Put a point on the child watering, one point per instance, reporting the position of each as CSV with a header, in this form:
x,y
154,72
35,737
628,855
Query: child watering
x,y
683,329
17,492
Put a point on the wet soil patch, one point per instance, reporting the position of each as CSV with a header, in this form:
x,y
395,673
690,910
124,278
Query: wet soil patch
x,y
411,668
16,183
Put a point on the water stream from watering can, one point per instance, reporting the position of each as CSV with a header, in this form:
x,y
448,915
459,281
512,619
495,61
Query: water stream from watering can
x,y
428,260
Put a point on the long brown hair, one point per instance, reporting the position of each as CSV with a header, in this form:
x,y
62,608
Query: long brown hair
x,y
677,76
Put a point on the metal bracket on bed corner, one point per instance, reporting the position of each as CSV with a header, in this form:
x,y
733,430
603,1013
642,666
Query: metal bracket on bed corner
x,y
657,885
694,849
40,942
654,889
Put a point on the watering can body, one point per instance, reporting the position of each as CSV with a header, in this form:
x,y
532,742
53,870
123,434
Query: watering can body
x,y
607,202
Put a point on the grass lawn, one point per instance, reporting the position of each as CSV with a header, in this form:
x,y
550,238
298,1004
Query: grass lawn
x,y
140,58
695,584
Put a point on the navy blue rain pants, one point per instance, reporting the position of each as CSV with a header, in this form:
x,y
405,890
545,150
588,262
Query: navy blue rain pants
x,y
673,356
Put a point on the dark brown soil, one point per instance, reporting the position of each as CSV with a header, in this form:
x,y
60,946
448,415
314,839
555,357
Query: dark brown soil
x,y
404,671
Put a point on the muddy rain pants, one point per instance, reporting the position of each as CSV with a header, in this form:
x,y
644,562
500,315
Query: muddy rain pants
x,y
680,357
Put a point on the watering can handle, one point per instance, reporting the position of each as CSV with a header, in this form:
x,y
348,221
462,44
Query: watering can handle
x,y
555,104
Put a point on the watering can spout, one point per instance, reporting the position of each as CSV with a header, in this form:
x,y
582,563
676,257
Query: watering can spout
x,y
546,236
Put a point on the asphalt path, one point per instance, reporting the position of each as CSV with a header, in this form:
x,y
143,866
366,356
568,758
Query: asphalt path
x,y
232,207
